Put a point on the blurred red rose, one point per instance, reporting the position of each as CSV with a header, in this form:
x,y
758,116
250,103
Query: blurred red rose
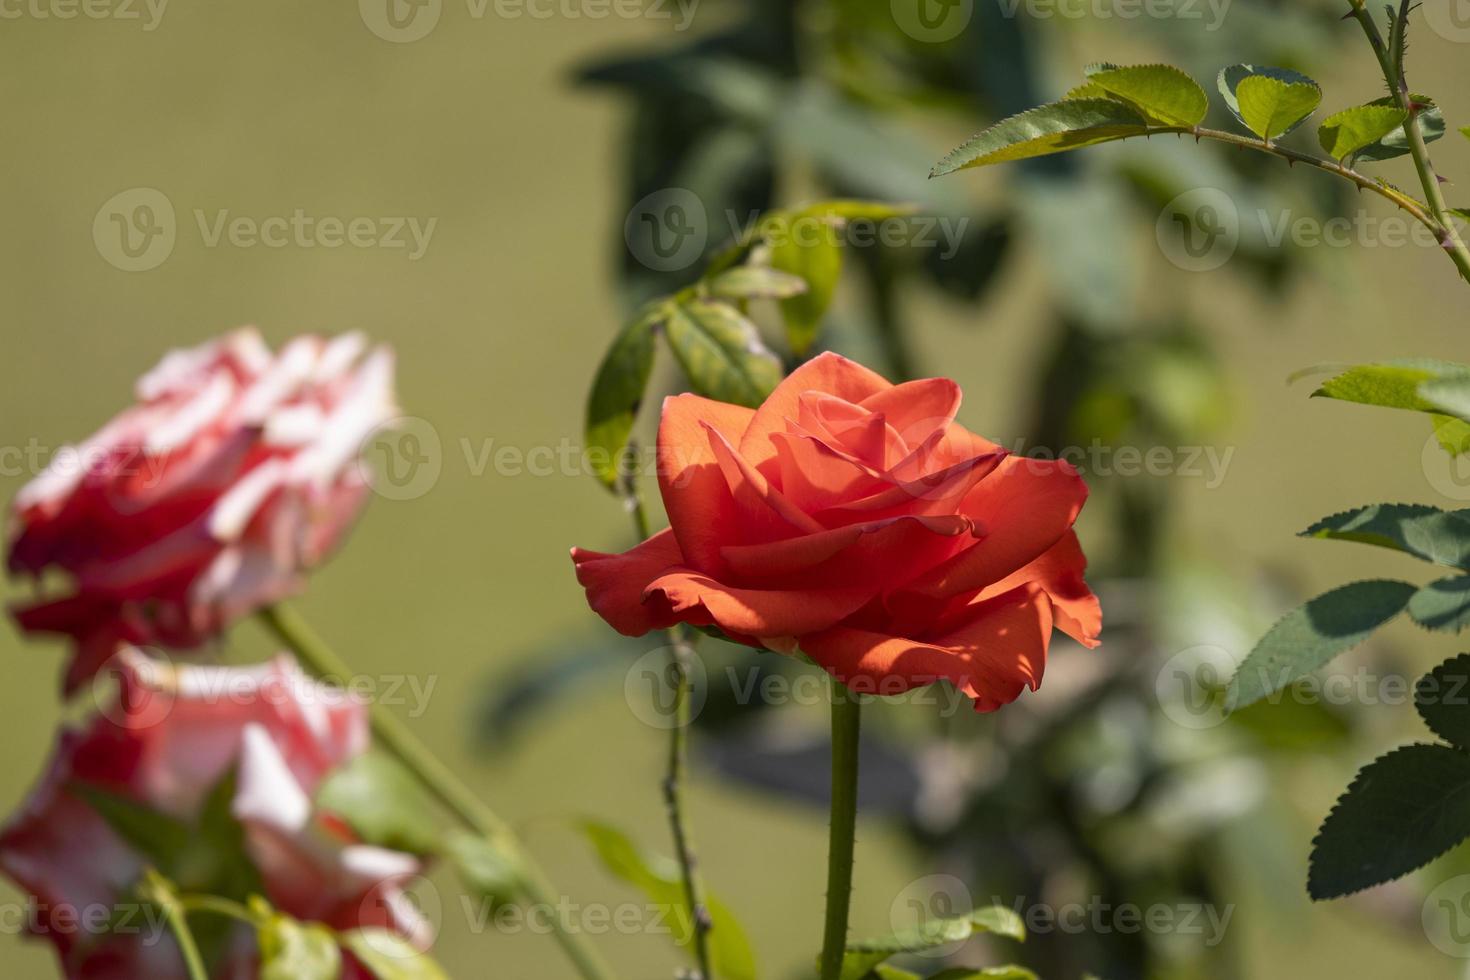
x,y
855,520
234,473
167,743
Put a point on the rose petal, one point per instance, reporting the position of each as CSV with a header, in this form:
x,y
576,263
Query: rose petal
x,y
696,598
615,584
871,554
695,494
996,653
830,373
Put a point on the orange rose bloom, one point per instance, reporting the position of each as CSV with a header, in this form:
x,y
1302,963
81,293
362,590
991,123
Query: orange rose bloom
x,y
854,519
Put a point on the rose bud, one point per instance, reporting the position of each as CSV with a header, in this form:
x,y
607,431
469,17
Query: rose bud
x,y
168,747
856,521
235,472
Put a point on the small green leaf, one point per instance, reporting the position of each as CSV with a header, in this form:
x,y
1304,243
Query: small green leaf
x,y
1427,533
489,869
1402,811
754,282
1442,697
1053,128
1313,634
807,248
158,837
721,353
388,956
1465,132
1162,93
1397,384
382,803
1270,102
290,950
618,390
658,879
1344,133
1396,143
859,958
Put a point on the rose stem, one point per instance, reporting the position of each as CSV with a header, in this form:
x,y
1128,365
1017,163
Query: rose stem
x,y
292,630
160,891
680,650
846,715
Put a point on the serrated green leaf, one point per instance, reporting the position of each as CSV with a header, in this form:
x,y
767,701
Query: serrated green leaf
x,y
1311,635
1427,533
658,879
291,950
1053,128
753,282
489,869
1396,384
1442,698
1270,102
1344,133
1443,605
1162,93
1396,143
617,391
721,352
1401,812
388,956
382,803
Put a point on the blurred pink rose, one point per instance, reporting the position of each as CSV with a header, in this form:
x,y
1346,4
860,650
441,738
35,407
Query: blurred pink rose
x,y
172,736
234,473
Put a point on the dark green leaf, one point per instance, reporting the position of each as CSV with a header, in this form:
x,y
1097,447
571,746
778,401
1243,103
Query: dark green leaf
x,y
382,802
1270,102
1443,699
1401,812
490,869
388,956
1396,143
1425,532
753,282
290,950
1165,95
1344,133
1313,634
1443,605
721,353
1052,128
617,392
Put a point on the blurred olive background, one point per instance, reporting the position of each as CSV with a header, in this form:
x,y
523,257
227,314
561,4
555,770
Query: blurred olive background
x,y
267,107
